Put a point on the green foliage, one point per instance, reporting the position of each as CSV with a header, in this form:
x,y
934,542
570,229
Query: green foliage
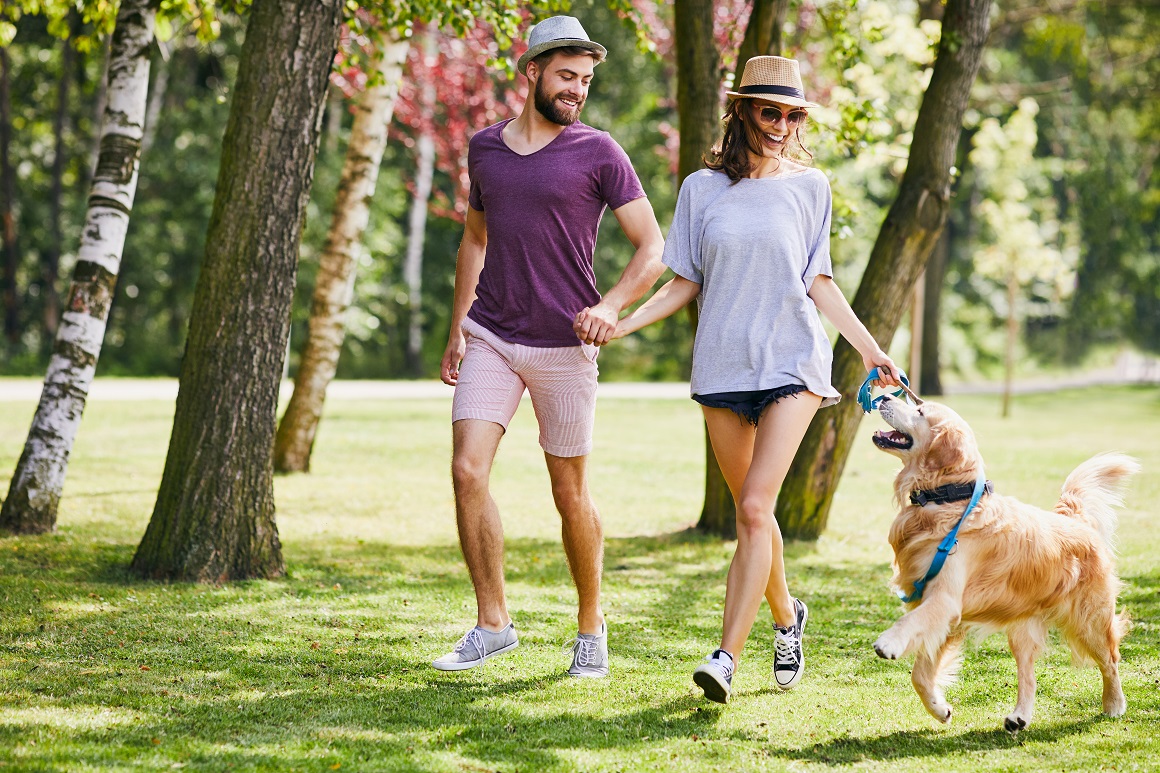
x,y
1089,68
101,671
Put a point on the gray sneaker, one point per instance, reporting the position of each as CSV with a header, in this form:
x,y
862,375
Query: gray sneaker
x,y
476,646
590,654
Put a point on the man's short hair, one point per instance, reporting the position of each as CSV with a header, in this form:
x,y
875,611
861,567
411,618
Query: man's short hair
x,y
543,59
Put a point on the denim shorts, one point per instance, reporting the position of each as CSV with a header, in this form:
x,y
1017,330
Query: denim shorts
x,y
749,405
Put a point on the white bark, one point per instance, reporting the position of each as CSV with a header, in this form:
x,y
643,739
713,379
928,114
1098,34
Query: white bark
x,y
36,486
334,287
413,265
417,224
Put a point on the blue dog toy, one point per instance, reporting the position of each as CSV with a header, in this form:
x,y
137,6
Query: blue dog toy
x,y
869,404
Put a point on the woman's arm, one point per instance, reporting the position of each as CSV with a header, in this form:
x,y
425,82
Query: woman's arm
x,y
827,296
672,297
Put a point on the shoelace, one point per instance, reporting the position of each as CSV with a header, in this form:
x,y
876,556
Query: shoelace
x,y
473,637
585,650
787,647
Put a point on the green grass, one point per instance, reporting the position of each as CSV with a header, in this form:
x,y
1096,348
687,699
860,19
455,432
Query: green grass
x,y
327,669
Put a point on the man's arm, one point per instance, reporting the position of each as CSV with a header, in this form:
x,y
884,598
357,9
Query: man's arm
x,y
468,264
597,324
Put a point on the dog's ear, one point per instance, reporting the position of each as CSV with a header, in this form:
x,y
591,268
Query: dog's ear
x,y
947,452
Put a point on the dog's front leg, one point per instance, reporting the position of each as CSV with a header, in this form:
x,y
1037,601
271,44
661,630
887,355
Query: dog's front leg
x,y
1026,640
931,672
927,625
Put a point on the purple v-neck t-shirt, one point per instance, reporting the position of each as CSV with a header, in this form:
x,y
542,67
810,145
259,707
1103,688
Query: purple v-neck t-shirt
x,y
542,212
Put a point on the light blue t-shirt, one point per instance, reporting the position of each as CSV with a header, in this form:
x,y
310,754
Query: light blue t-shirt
x,y
755,248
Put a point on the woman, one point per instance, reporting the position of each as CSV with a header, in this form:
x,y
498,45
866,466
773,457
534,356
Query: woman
x,y
750,237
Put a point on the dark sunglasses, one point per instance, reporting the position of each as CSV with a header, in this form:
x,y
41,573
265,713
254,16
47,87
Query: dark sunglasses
x,y
773,115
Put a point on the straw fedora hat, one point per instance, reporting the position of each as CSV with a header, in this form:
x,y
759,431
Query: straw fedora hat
x,y
558,32
774,78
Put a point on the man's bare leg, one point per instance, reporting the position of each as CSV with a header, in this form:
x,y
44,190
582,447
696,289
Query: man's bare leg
x,y
583,535
474,444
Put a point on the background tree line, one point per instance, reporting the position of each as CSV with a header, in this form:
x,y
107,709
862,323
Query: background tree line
x,y
1088,70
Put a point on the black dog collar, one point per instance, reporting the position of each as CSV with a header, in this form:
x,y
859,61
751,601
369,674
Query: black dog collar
x,y
951,492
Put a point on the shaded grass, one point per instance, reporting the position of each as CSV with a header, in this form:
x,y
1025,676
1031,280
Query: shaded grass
x,y
328,667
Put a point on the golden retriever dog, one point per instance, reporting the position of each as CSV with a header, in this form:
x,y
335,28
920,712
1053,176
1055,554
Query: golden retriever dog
x,y
1016,568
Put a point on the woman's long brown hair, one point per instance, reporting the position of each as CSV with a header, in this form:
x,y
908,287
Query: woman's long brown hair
x,y
740,138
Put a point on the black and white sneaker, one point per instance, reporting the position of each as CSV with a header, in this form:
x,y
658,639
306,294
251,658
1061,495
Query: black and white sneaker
x,y
789,662
715,676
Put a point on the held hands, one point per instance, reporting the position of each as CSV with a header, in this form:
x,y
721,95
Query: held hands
x,y
596,325
449,369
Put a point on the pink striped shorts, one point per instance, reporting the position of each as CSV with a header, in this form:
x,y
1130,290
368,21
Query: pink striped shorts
x,y
561,382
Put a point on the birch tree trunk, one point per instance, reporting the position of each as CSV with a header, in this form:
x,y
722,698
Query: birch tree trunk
x,y
214,516
34,494
337,268
413,265
904,243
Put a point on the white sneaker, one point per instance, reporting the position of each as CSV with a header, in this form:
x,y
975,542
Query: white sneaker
x,y
590,654
715,676
789,662
476,646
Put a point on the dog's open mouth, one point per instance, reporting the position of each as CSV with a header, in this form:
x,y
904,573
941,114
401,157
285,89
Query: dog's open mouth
x,y
892,439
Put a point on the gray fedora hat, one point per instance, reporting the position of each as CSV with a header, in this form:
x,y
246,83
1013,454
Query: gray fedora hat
x,y
558,32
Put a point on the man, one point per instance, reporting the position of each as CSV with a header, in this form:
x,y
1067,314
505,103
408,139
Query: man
x,y
539,185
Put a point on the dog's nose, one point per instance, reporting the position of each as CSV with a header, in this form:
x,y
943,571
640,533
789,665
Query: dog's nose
x,y
885,398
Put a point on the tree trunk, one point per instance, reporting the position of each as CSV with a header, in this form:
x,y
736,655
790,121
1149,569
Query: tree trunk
x,y
336,271
100,102
955,233
917,333
698,82
8,242
413,266
930,375
156,102
417,224
698,108
50,262
34,494
214,516
762,33
906,239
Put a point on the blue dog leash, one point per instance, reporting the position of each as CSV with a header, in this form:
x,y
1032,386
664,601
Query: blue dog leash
x,y
952,539
947,545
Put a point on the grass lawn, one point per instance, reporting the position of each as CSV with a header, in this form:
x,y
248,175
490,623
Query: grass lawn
x,y
328,668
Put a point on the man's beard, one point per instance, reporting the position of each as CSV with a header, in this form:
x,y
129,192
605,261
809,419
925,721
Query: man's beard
x,y
553,112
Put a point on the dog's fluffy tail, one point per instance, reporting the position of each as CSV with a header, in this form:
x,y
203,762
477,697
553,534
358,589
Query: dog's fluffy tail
x,y
1095,489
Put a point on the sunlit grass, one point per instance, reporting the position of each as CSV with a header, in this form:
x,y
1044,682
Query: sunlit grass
x,y
327,669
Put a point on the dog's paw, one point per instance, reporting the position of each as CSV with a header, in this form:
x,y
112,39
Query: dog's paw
x,y
1014,723
941,711
1116,706
887,648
